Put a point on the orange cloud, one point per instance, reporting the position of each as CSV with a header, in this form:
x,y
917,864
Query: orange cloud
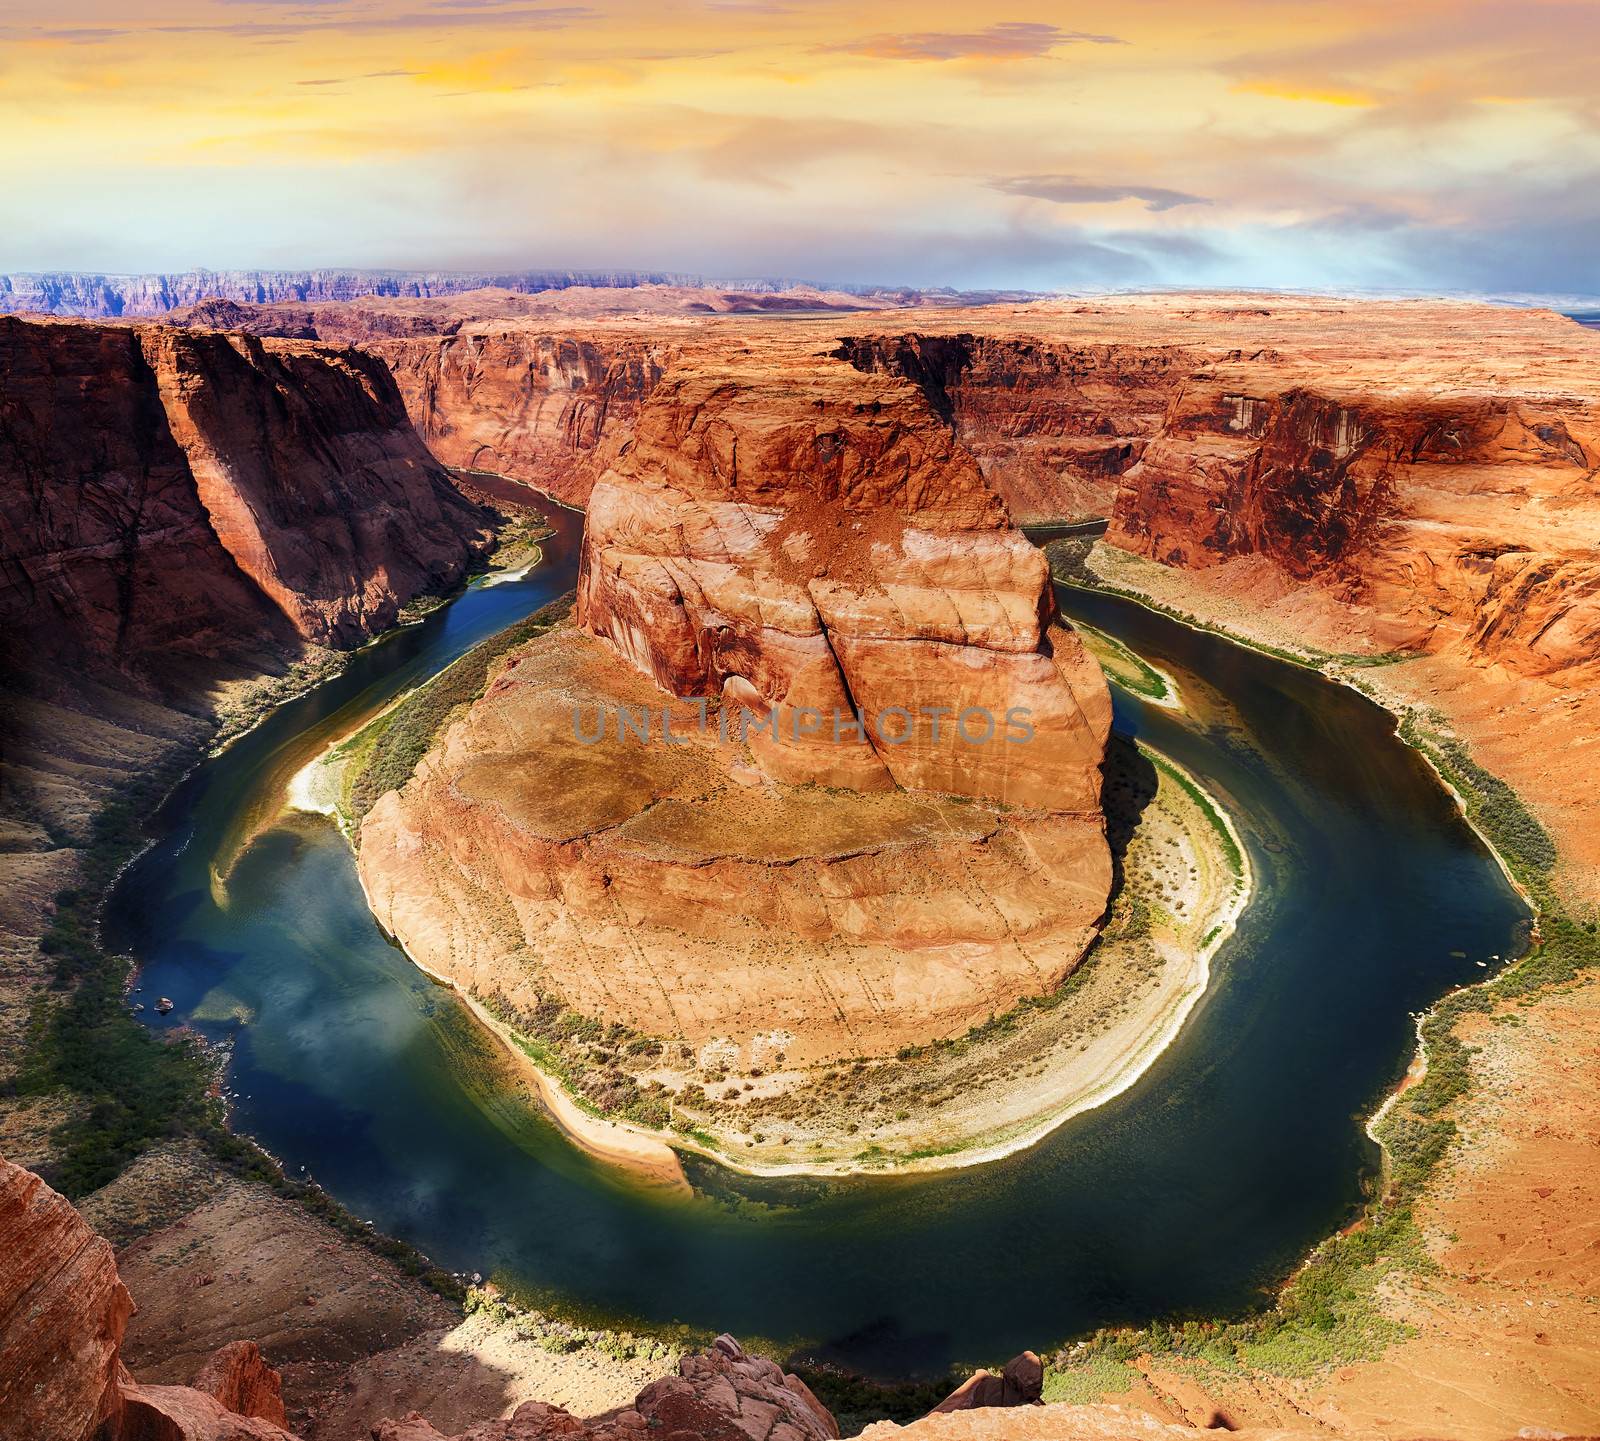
x,y
1009,40
1289,90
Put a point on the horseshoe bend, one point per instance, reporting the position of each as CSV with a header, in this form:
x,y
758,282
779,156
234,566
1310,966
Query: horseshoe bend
x,y
832,847
775,810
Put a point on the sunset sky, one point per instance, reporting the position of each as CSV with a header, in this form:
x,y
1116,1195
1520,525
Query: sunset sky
x,y
1277,142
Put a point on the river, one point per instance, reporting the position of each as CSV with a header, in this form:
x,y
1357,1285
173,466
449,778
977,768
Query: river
x,y
1193,1192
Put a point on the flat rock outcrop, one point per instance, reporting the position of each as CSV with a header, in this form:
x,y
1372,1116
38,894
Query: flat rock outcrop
x,y
876,817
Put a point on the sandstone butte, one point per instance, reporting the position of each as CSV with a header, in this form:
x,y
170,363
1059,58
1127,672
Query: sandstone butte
x,y
790,542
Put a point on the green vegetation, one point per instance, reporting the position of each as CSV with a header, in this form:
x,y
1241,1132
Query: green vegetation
x,y
134,1087
562,1338
1491,804
383,755
246,708
1230,847
1124,666
584,1056
1089,1379
857,1402
1325,1316
516,544
1417,1131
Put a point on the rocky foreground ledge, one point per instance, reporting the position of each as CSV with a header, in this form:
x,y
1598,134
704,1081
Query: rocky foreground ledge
x,y
64,1311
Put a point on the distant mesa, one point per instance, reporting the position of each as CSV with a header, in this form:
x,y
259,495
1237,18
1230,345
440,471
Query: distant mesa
x,y
112,296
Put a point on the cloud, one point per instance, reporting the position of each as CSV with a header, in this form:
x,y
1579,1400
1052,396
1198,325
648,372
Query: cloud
x,y
85,35
1008,40
1068,190
1430,64
543,17
365,75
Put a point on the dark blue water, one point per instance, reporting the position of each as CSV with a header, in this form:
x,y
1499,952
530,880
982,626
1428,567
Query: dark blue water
x,y
1192,1192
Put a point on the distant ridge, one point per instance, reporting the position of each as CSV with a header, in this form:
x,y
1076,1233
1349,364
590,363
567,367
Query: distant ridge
x,y
70,292
108,296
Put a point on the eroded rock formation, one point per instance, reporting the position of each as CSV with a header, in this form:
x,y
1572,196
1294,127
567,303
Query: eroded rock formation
x,y
814,540
1433,465
809,549
532,405
169,492
63,1312
1054,421
1020,1383
720,1394
63,1318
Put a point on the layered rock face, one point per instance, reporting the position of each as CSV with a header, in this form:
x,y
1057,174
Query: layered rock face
x,y
1053,421
1435,464
812,542
531,405
63,1312
107,553
876,819
1467,522
170,494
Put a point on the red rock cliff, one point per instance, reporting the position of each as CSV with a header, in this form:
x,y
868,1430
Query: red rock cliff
x,y
1054,421
797,536
1434,463
530,404
169,493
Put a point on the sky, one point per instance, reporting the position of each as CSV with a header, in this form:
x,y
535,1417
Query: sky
x,y
1414,144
